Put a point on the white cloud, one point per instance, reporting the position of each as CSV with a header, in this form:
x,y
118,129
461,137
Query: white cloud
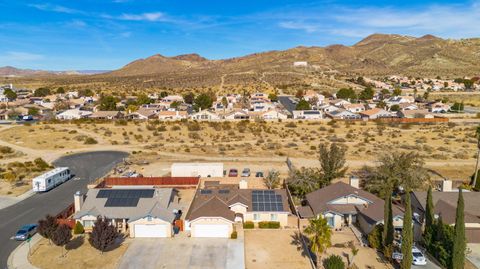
x,y
76,24
12,57
298,25
149,16
55,8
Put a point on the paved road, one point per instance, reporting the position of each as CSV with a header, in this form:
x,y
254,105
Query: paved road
x,y
287,102
86,167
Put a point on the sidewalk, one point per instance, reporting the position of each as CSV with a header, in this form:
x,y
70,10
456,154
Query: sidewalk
x,y
6,201
18,259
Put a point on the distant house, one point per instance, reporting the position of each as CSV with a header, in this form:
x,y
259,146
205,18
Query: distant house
x,y
106,115
272,114
340,103
204,115
354,108
300,64
408,106
3,114
307,114
328,108
376,113
343,205
311,96
236,115
73,114
143,114
397,100
143,212
439,107
172,115
415,114
216,208
343,115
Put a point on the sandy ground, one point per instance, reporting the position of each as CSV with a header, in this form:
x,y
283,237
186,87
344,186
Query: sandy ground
x,y
272,249
81,255
366,257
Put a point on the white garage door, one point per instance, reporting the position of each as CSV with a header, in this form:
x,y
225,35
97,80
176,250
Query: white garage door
x,y
211,230
152,230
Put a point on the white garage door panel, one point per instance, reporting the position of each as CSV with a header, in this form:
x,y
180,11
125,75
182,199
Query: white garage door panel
x,y
217,230
155,230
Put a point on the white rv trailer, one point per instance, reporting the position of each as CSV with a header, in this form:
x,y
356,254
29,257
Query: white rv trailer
x,y
51,179
197,170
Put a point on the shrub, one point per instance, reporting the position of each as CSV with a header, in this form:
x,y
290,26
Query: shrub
x,y
234,235
78,229
291,125
334,262
41,164
90,141
248,225
375,237
269,225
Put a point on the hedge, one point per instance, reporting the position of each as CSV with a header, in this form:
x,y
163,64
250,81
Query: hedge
x,y
248,225
269,225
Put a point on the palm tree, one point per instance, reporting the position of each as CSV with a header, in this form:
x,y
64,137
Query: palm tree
x,y
477,134
319,235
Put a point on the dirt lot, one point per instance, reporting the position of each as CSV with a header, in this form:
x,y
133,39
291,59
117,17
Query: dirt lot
x,y
366,257
80,255
272,249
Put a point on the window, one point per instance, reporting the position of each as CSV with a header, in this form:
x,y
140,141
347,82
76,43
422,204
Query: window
x,y
88,223
256,216
331,221
149,218
273,217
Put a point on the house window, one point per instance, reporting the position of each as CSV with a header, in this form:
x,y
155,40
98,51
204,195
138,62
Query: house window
x,y
273,217
88,223
149,218
256,216
331,221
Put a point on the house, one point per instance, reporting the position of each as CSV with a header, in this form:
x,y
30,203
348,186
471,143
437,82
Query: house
x,y
343,115
407,106
307,114
376,113
415,114
73,114
354,108
216,208
314,98
397,100
143,114
106,115
340,103
445,205
346,204
204,115
439,107
236,115
328,108
273,114
3,114
143,212
172,115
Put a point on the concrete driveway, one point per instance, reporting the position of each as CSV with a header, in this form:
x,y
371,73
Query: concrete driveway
x,y
474,255
182,252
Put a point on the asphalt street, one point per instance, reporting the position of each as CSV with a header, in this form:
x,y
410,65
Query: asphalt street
x,y
85,166
287,102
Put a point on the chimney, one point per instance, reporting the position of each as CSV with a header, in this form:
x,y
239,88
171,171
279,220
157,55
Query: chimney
x,y
355,182
243,184
78,201
446,185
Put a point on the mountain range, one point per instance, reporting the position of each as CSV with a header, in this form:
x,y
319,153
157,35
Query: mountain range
x,y
377,54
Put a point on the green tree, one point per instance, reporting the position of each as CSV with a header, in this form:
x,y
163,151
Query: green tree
x,y
347,93
10,94
108,103
397,91
395,108
163,94
78,229
303,105
60,90
189,98
389,231
203,101
273,97
272,180
459,243
175,104
334,262
319,235
41,92
332,161
429,211
407,234
85,93
305,180
143,99
33,111
366,94
457,107
224,102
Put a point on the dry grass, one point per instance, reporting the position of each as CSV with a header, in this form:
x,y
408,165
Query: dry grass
x,y
272,249
81,255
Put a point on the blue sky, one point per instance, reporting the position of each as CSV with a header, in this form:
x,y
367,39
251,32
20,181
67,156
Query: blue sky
x,y
107,34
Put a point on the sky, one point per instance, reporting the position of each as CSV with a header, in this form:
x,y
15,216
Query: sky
x,y
108,34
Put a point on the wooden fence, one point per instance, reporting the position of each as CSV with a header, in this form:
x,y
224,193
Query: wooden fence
x,y
414,120
154,181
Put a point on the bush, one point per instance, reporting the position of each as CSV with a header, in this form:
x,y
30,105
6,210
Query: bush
x,y
90,141
78,229
248,225
41,164
375,237
269,225
334,262
234,235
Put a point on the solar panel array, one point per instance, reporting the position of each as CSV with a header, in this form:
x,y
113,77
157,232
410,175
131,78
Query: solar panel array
x,y
266,200
205,191
124,198
223,191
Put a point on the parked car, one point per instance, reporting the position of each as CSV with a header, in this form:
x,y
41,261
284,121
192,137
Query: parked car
x,y
246,172
418,258
259,174
26,232
233,173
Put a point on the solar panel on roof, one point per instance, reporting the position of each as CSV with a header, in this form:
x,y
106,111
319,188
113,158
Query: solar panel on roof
x,y
205,191
266,200
224,191
126,193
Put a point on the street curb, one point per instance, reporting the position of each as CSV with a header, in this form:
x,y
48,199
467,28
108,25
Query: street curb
x,y
19,198
19,256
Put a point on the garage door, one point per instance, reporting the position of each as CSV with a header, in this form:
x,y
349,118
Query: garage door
x,y
212,230
152,230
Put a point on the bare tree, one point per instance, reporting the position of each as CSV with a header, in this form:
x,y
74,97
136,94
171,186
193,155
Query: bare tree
x,y
103,234
61,236
272,180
